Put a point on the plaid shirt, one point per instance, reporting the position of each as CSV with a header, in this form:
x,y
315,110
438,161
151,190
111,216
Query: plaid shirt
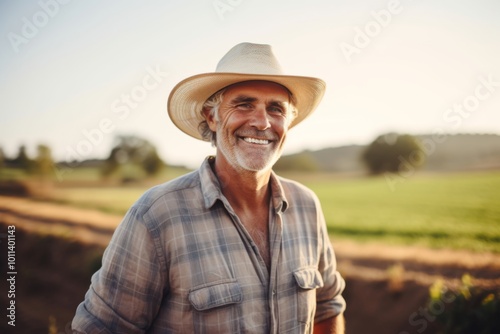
x,y
182,262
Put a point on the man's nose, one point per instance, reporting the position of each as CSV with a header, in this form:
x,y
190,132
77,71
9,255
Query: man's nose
x,y
260,119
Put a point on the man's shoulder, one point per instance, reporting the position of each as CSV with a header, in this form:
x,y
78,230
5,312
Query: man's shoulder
x,y
170,189
295,189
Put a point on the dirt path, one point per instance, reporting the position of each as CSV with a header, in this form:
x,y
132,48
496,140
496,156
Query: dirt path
x,y
420,265
88,226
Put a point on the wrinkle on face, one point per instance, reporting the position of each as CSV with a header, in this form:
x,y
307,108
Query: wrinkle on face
x,y
252,124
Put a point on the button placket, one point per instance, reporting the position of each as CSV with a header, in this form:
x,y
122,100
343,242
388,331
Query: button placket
x,y
277,233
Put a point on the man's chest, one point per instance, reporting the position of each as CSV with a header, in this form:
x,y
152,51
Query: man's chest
x,y
221,247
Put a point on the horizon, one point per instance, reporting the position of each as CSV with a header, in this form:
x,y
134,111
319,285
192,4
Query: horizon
x,y
436,139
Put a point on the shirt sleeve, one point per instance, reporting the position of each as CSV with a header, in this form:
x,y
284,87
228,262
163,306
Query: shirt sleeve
x,y
330,302
126,293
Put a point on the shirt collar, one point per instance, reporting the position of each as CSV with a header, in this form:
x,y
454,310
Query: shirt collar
x,y
211,187
280,202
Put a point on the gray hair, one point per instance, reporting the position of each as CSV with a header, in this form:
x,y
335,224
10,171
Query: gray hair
x,y
212,105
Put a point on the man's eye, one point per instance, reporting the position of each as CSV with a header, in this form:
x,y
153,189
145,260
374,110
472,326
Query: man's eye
x,y
244,106
276,110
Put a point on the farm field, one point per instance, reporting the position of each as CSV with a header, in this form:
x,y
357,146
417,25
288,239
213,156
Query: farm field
x,y
458,211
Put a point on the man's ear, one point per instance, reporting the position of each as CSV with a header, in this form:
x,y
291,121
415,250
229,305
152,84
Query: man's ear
x,y
210,118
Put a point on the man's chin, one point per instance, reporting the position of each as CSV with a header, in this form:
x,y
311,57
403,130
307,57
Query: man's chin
x,y
256,164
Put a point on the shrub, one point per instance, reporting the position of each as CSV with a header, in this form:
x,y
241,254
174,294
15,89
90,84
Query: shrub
x,y
471,311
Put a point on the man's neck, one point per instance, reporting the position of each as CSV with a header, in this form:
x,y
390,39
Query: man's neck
x,y
245,190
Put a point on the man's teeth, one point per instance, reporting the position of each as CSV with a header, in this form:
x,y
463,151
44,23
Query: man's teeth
x,y
256,141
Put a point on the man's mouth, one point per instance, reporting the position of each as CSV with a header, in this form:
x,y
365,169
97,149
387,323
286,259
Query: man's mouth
x,y
256,141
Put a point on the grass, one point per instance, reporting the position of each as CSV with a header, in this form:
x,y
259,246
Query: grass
x,y
451,210
460,211
83,187
108,199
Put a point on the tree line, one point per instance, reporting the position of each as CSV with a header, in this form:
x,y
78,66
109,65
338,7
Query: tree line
x,y
132,158
41,164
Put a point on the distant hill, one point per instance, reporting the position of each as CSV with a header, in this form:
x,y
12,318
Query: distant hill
x,y
448,153
464,152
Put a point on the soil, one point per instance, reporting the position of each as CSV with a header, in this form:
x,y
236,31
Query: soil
x,y
58,248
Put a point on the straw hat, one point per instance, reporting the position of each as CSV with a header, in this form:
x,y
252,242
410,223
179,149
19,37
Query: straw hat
x,y
244,62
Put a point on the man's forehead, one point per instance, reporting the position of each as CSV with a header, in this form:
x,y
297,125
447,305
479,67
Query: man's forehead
x,y
258,85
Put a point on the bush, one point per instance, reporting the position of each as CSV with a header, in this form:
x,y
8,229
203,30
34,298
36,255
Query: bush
x,y
471,311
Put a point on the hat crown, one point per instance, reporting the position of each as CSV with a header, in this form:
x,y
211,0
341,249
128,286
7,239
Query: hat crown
x,y
250,58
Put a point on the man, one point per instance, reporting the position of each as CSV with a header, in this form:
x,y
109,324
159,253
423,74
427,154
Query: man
x,y
231,247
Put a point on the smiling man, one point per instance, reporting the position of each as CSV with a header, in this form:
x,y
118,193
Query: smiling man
x,y
231,247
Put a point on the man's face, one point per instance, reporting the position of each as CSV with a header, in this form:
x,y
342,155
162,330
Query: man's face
x,y
252,123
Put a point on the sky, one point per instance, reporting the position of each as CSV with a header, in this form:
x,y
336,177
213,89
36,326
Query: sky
x,y
76,74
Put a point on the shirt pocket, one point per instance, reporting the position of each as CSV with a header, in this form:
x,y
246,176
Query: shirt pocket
x,y
212,295
215,306
308,280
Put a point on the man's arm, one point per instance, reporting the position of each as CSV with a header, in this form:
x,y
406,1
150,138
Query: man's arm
x,y
126,292
335,325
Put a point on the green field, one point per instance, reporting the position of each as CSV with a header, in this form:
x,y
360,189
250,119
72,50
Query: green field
x,y
441,210
447,210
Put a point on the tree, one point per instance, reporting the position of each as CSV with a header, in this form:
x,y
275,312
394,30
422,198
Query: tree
x,y
132,156
2,158
22,160
112,164
152,163
43,163
392,152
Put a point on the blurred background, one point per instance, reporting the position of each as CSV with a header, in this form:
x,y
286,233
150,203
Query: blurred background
x,y
403,152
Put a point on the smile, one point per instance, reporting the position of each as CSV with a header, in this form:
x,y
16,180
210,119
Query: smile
x,y
256,141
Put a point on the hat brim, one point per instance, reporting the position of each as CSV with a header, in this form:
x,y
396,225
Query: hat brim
x,y
186,99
